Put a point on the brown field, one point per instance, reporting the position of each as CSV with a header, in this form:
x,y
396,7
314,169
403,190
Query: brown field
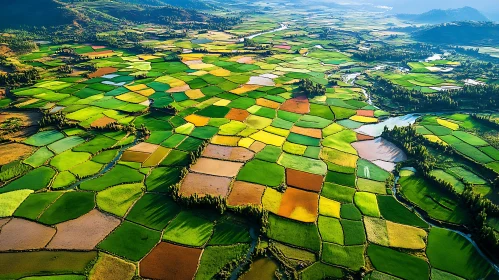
x,y
245,194
144,148
156,157
85,232
362,137
202,185
19,234
228,153
246,60
257,146
237,114
299,105
102,122
27,118
365,113
217,167
111,268
98,54
379,149
168,261
13,151
299,205
312,132
3,221
179,89
303,180
133,156
241,154
267,103
102,71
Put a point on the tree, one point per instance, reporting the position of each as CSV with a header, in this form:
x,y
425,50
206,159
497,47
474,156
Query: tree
x,y
310,89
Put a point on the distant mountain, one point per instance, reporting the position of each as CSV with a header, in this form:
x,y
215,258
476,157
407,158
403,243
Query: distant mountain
x,y
460,33
35,13
442,16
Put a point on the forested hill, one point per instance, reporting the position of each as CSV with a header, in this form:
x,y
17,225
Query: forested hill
x,y
49,13
34,13
442,16
460,33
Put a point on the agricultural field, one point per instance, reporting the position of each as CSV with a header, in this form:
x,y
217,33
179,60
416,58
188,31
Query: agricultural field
x,y
203,157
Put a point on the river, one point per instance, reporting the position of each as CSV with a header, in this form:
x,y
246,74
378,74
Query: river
x,y
376,129
283,27
108,166
397,196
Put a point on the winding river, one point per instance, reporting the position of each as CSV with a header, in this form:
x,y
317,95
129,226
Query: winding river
x,y
398,197
283,27
108,166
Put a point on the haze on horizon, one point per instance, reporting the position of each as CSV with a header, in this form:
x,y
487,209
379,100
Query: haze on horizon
x,y
489,8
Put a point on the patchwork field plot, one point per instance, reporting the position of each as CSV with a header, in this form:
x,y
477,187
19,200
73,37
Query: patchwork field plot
x,y
207,156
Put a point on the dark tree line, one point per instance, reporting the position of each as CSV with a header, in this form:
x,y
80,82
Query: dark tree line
x,y
399,54
19,79
470,97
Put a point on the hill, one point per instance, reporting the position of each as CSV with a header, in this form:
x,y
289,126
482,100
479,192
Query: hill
x,y
460,33
35,13
51,13
442,16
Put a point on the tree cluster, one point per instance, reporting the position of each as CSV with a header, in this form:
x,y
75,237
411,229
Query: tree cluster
x,y
480,97
311,89
393,53
19,79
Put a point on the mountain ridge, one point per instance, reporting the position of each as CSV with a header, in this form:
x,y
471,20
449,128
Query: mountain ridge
x,y
442,16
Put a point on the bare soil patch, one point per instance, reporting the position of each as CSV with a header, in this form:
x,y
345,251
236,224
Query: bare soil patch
x,y
237,114
102,71
304,180
217,167
179,89
203,185
19,234
365,113
379,149
299,105
257,146
85,232
312,132
13,151
362,137
228,153
102,122
144,148
244,193
168,261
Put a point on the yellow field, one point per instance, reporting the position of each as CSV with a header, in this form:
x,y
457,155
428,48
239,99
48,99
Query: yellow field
x,y
271,200
268,138
448,124
407,237
329,207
